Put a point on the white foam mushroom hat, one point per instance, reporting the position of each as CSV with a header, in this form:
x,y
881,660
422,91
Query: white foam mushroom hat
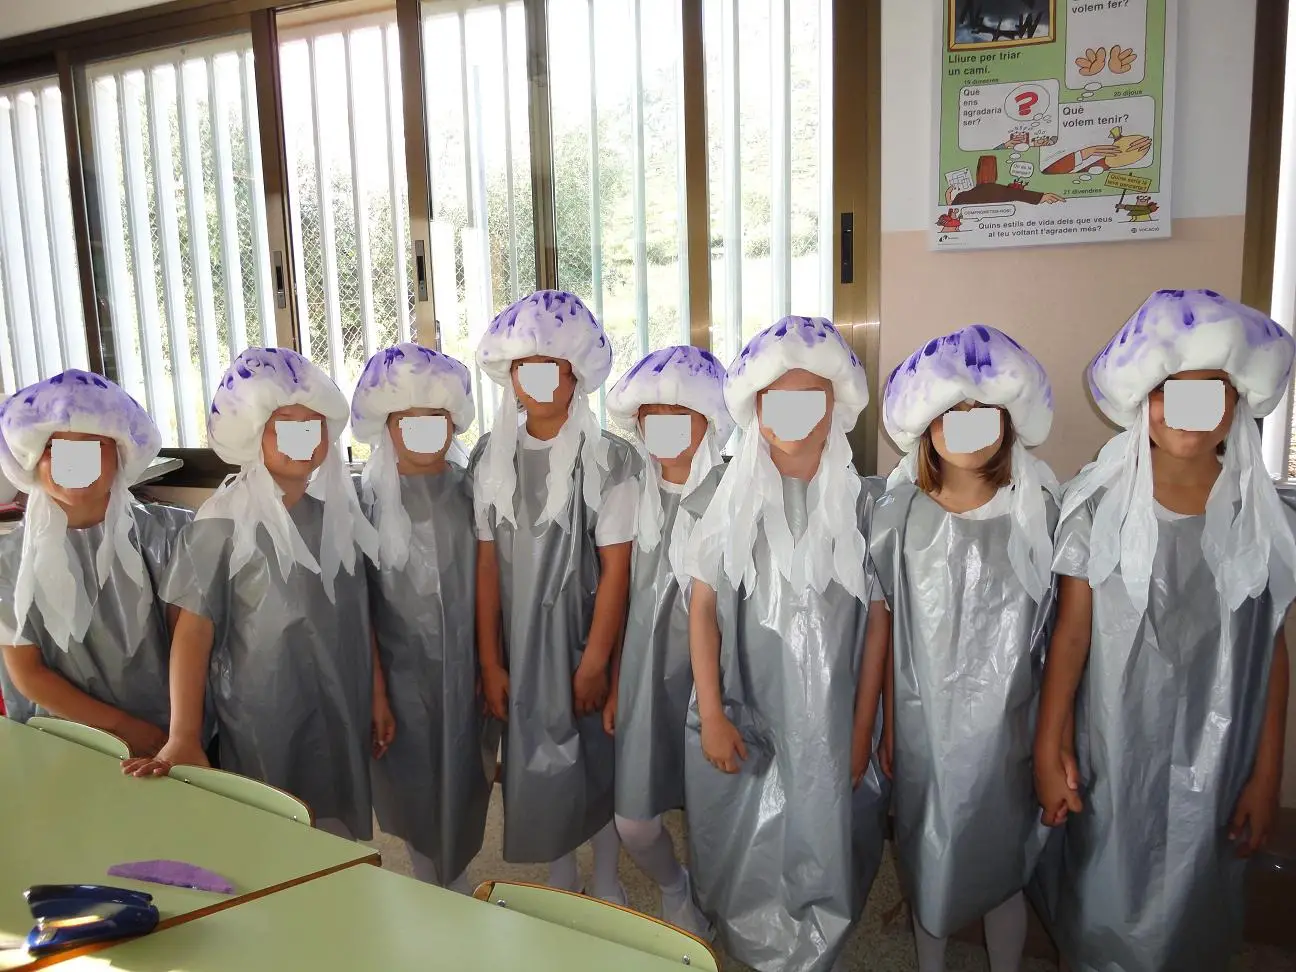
x,y
751,493
74,401
258,383
692,378
551,324
982,364
1176,331
396,379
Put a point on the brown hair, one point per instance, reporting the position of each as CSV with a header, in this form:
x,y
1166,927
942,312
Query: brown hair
x,y
997,472
987,170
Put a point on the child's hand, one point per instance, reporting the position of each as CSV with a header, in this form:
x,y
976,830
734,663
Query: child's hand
x,y
1256,809
610,712
1057,785
384,725
495,689
590,688
176,752
722,745
143,738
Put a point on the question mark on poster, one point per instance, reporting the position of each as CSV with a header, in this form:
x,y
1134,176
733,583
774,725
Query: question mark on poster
x,y
1026,101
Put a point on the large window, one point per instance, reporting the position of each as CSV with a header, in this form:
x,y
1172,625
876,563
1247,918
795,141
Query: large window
x,y
42,329
479,162
345,142
347,174
182,224
769,148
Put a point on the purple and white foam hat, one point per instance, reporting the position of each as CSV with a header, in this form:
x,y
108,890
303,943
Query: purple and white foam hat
x,y
1173,332
74,401
402,377
552,324
983,365
695,379
258,382
751,492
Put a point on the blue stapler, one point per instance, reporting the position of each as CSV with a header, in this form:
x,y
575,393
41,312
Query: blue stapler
x,y
68,915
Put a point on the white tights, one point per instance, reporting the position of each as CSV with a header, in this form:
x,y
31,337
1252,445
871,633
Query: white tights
x,y
650,847
564,874
1005,933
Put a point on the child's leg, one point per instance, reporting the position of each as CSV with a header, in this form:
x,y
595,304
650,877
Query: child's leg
x,y
607,856
931,951
334,826
563,873
1005,932
650,847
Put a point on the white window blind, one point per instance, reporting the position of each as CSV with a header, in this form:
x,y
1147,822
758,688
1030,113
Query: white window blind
x,y
182,209
42,327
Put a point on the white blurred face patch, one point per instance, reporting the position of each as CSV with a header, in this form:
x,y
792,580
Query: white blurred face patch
x,y
973,430
425,433
792,415
75,465
539,379
666,436
1193,405
298,440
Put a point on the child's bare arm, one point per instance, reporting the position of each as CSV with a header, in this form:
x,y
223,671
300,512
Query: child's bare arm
x,y
42,685
591,686
1258,805
877,645
1067,655
722,744
490,645
190,652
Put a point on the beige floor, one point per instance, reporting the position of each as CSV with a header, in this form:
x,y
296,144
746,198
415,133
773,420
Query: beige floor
x,y
873,948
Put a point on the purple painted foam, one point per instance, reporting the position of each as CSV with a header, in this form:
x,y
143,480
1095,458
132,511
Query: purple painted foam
x,y
410,376
977,363
1190,330
680,375
176,874
553,324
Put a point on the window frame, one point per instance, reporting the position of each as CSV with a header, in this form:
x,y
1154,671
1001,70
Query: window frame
x,y
856,169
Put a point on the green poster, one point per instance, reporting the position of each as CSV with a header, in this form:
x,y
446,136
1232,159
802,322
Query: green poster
x,y
1053,122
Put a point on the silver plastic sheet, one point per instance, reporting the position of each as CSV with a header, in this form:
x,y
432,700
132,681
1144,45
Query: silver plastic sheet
x,y
558,768
430,788
123,660
968,645
1168,719
291,676
783,853
656,682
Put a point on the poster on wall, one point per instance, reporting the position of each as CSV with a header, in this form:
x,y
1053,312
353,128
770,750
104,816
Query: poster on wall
x,y
1053,122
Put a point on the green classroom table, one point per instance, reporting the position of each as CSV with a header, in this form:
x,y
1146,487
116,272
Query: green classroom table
x,y
362,919
68,813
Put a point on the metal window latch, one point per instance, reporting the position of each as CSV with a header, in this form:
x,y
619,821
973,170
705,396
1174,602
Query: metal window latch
x,y
847,248
420,269
280,285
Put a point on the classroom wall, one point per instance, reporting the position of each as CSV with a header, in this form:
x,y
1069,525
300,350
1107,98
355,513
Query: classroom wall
x,y
24,16
1062,302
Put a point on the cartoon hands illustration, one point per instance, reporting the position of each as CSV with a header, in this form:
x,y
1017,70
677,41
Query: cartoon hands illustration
x,y
1092,62
1121,59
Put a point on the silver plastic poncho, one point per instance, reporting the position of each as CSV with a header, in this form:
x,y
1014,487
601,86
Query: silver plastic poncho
x,y
430,788
656,681
1168,719
558,769
968,644
123,658
783,852
291,674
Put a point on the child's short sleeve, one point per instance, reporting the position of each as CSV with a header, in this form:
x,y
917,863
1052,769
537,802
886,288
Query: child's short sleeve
x,y
619,514
1071,542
